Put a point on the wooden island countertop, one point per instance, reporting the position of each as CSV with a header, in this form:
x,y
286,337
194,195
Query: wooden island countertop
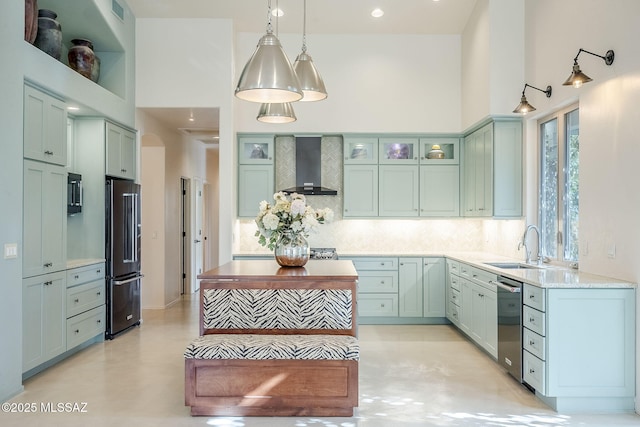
x,y
269,270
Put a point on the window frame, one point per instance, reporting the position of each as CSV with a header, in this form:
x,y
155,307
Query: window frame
x,y
561,202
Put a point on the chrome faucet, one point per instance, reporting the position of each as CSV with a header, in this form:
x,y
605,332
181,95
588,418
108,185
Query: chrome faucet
x,y
527,251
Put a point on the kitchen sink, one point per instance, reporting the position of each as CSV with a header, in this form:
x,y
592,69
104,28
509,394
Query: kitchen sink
x,y
511,265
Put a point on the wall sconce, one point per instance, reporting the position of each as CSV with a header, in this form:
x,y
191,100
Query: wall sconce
x,y
524,107
577,77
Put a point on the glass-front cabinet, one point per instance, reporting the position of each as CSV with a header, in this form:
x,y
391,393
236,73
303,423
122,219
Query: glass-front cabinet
x,y
256,150
360,150
397,151
441,151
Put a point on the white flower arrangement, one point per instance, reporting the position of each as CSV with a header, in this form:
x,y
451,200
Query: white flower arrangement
x,y
288,215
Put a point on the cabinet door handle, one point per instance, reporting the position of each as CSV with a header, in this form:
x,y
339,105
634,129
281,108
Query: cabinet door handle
x,y
531,320
48,152
98,271
123,170
382,282
76,277
532,371
48,264
99,293
76,300
532,342
77,331
48,283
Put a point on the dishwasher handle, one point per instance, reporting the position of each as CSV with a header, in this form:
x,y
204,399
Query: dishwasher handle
x,y
507,287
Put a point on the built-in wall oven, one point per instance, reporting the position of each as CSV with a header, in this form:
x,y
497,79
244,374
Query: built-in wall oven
x,y
510,325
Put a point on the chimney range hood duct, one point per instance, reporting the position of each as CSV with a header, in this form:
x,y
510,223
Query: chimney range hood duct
x,y
308,168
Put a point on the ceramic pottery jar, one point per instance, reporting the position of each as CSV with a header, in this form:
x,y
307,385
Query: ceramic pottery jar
x,y
30,20
95,72
49,37
81,57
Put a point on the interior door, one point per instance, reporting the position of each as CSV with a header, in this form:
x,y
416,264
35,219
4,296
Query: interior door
x,y
198,235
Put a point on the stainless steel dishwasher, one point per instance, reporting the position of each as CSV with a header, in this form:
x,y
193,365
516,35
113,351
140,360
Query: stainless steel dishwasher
x,y
510,325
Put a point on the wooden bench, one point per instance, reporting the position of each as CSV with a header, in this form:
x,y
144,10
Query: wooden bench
x,y
280,345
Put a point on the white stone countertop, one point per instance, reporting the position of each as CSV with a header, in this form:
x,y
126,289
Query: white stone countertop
x,y
83,262
544,276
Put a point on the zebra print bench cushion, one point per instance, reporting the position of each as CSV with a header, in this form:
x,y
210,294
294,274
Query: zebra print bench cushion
x,y
277,309
263,347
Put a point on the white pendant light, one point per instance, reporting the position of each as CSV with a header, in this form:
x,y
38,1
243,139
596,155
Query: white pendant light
x,y
268,75
276,113
311,83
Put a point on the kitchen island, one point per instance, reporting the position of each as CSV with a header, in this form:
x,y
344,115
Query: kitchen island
x,y
266,333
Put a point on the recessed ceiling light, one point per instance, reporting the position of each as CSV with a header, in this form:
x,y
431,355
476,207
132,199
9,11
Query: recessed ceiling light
x,y
71,108
377,13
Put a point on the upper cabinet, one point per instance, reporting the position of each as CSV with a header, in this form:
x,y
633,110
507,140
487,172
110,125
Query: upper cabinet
x,y
360,150
121,152
256,173
45,127
398,151
492,170
439,151
256,150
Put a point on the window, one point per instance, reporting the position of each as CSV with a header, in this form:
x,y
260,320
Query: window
x,y
559,184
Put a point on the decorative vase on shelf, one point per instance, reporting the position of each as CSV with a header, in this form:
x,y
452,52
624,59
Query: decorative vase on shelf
x,y
291,250
81,57
30,20
95,72
49,37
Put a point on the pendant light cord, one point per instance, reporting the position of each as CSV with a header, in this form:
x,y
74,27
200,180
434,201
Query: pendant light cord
x,y
269,27
304,27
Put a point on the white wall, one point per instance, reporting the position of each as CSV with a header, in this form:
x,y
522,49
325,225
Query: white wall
x,y
376,83
11,33
189,63
609,205
153,220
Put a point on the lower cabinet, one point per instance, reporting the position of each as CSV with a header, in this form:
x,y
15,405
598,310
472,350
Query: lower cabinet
x,y
404,290
85,313
43,318
472,304
61,311
579,347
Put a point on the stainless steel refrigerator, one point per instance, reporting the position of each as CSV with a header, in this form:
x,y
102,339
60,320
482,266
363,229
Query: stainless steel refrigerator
x,y
123,255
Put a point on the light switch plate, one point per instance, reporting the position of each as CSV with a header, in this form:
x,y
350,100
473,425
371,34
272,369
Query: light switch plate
x,y
10,250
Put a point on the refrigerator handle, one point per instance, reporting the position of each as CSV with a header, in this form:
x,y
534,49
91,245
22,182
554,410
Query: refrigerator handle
x,y
130,237
134,228
133,279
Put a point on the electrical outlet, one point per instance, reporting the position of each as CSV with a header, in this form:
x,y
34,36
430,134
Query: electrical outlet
x,y
10,250
611,250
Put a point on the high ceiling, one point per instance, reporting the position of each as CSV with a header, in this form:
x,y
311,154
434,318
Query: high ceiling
x,y
323,16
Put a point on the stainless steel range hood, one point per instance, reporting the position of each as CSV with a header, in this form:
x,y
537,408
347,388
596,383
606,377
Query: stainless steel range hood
x,y
309,168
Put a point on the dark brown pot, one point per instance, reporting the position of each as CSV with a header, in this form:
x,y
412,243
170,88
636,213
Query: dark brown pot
x,y
30,20
81,57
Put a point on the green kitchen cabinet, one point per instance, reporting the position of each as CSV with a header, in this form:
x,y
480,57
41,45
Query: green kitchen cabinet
x,y
439,151
478,174
433,287
43,319
398,190
579,347
255,184
45,218
256,150
361,150
410,287
440,191
256,173
492,170
120,151
45,127
360,190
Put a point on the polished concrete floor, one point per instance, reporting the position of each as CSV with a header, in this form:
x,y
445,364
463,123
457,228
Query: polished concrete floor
x,y
409,376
